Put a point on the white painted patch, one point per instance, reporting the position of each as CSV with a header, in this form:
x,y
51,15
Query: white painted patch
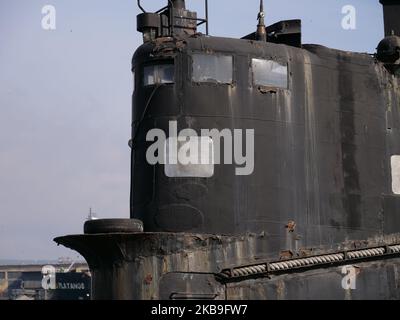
x,y
193,158
395,174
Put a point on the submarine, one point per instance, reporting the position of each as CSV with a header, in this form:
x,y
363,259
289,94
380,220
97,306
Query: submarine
x,y
284,179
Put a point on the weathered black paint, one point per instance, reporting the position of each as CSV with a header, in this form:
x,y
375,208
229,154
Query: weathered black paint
x,y
317,145
322,178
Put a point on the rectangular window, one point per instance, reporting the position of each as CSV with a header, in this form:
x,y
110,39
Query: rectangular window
x,y
158,74
270,73
212,68
2,276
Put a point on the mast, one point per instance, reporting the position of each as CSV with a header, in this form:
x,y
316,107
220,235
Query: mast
x,y
261,33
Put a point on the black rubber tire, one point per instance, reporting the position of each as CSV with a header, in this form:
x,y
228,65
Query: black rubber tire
x,y
113,226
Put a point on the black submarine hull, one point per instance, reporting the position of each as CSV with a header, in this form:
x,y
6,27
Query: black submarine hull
x,y
317,218
166,266
322,185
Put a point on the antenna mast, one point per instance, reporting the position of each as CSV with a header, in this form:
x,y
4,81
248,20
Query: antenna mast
x,y
92,215
261,33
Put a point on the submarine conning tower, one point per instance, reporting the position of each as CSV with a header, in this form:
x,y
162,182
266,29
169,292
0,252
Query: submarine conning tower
x,y
325,190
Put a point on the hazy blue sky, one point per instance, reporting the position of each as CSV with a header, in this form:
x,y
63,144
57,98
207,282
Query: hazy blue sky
x,y
65,103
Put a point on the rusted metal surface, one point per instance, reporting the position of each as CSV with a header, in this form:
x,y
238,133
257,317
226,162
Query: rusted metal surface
x,y
297,264
374,280
122,264
321,195
190,266
291,226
